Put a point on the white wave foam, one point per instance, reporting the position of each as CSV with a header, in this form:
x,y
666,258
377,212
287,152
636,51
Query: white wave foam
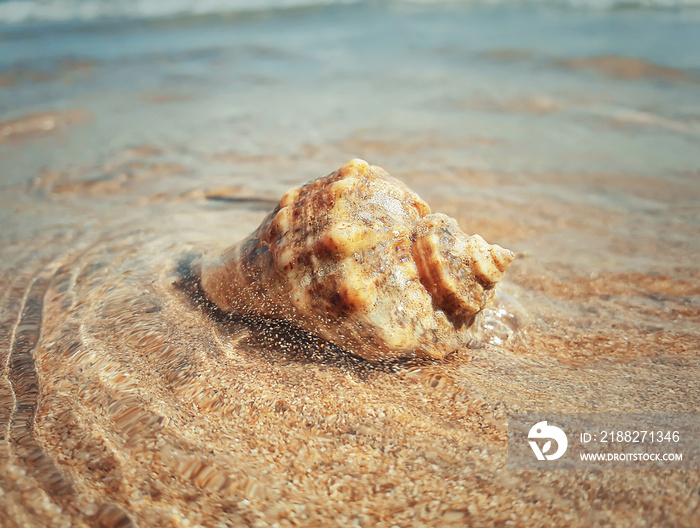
x,y
32,11
28,11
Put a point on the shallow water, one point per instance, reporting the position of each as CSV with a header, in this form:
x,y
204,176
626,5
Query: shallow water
x,y
127,148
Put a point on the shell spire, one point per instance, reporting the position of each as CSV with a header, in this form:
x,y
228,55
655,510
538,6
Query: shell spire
x,y
358,259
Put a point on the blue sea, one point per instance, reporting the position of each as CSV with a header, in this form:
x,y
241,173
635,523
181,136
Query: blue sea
x,y
574,85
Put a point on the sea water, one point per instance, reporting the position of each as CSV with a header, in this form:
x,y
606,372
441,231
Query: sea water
x,y
500,81
447,89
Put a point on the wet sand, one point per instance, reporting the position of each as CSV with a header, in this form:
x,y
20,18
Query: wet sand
x,y
32,126
129,400
626,68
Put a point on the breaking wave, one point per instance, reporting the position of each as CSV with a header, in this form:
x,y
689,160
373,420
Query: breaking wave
x,y
18,12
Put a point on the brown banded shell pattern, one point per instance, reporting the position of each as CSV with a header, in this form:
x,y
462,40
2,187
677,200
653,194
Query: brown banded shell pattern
x,y
357,258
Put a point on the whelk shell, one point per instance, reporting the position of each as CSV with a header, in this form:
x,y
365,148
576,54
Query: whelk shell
x,y
358,259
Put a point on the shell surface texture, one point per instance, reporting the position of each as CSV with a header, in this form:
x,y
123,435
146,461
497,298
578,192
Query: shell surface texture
x,y
358,259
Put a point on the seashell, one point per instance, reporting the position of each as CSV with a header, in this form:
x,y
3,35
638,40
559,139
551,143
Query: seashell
x,y
358,259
